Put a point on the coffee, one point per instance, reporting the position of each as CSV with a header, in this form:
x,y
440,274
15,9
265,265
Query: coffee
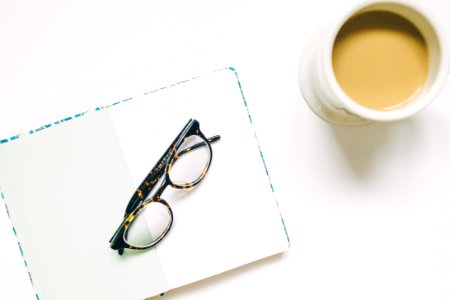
x,y
380,60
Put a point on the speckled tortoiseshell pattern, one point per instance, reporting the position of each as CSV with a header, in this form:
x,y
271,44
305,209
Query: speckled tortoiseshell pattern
x,y
161,173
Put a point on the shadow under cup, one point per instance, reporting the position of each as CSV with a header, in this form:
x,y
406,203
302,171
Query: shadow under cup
x,y
382,61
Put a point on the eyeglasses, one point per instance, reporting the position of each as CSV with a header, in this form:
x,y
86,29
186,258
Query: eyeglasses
x,y
148,217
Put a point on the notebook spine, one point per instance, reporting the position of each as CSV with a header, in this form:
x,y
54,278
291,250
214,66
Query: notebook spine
x,y
2,195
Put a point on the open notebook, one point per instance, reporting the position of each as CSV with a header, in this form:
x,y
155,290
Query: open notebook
x,y
66,187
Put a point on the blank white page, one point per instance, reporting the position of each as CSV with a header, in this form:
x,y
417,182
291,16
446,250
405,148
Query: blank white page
x,y
232,217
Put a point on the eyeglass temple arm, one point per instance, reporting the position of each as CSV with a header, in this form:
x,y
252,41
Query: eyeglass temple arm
x,y
198,145
214,138
202,144
147,184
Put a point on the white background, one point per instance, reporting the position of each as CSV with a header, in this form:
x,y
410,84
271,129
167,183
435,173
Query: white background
x,y
367,209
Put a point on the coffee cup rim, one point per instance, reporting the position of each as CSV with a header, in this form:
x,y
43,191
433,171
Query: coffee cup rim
x,y
399,113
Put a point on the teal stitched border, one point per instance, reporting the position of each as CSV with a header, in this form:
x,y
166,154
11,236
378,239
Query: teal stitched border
x,y
18,242
260,152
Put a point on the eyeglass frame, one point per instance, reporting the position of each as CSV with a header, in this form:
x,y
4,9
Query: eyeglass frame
x,y
161,171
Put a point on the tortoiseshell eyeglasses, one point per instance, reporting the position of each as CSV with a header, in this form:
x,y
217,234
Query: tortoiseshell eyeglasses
x,y
148,217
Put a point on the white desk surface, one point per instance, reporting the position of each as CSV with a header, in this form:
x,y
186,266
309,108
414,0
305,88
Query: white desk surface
x,y
367,209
